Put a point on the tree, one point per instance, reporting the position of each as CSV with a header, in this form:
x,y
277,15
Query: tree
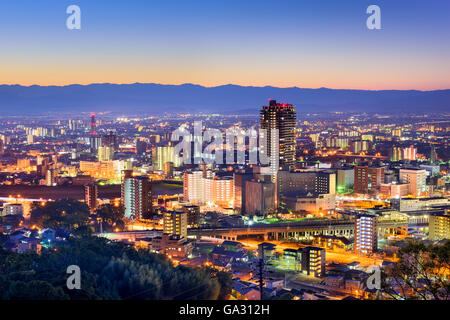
x,y
226,283
284,296
67,214
112,216
109,270
421,273
34,290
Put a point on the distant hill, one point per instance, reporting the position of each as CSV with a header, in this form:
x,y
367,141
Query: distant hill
x,y
156,99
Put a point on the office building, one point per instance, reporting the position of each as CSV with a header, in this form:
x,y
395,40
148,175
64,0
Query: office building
x,y
410,153
433,154
439,226
368,179
137,198
358,146
397,132
366,234
168,170
5,139
50,178
13,209
30,139
210,190
173,246
259,197
95,142
222,191
193,215
175,223
240,178
422,204
345,179
279,121
361,182
110,140
432,169
141,147
394,190
163,154
396,154
337,142
105,153
313,261
319,204
302,182
416,179
376,178
93,125
404,153
74,124
193,187
90,196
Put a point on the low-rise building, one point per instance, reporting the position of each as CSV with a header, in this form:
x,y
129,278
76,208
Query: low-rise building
x,y
439,226
173,246
245,290
313,261
335,281
311,202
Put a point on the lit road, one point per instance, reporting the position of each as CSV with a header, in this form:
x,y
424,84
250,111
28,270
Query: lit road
x,y
331,256
13,199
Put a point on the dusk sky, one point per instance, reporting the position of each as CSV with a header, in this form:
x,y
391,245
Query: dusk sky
x,y
303,43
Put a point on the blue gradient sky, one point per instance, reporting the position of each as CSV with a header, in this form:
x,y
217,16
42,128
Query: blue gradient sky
x,y
304,43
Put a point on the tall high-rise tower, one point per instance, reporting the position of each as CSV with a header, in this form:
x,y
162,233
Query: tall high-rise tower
x,y
137,198
279,120
90,196
93,124
366,233
433,155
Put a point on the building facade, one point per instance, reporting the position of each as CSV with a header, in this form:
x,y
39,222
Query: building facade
x,y
175,223
90,196
313,261
439,227
259,197
280,121
137,198
366,234
417,180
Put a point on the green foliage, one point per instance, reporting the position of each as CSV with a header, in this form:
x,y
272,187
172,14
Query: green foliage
x,y
226,281
112,217
109,270
34,290
68,214
420,274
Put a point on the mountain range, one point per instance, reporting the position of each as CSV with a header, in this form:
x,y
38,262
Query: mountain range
x,y
154,99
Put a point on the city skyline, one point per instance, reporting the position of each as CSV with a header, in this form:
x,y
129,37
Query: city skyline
x,y
225,150
345,199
